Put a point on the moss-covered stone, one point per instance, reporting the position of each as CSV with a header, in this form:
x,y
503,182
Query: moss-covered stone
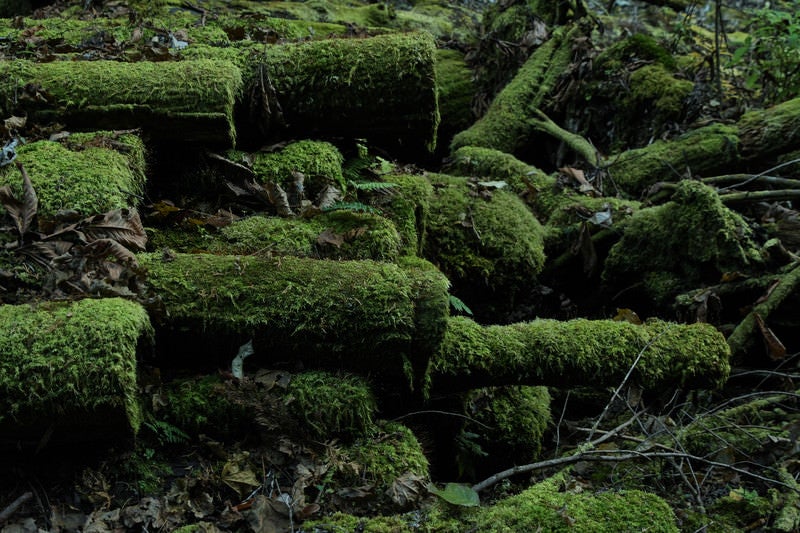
x,y
703,150
637,47
654,89
71,367
680,245
89,173
331,405
595,353
482,237
174,100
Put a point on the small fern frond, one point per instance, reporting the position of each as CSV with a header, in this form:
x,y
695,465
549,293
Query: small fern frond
x,y
459,305
381,187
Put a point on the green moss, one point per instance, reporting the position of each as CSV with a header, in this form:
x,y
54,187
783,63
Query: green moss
x,y
766,131
548,504
385,455
408,207
81,173
200,405
344,313
639,47
332,405
490,239
193,97
701,150
682,244
338,79
72,365
506,125
517,415
595,353
456,89
321,162
363,236
654,85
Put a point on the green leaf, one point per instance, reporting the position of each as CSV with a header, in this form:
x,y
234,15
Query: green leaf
x,y
457,494
459,305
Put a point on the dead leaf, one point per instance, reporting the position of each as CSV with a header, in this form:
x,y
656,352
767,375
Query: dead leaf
x,y
22,212
407,490
775,348
15,123
585,246
241,480
627,315
329,237
579,176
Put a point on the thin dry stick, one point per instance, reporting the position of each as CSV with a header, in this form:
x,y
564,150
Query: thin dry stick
x,y
617,456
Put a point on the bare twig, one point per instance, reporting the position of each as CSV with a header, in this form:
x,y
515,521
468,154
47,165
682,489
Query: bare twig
x,y
447,413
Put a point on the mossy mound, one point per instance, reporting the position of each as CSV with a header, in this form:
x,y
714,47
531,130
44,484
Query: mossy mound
x,y
319,161
595,353
381,457
89,173
456,89
171,100
71,367
408,207
547,506
201,406
517,415
334,235
480,236
331,405
685,243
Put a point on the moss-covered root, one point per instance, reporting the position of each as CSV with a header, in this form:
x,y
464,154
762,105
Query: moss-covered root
x,y
506,125
701,152
595,353
172,100
691,241
86,172
744,336
356,315
481,236
382,88
456,88
70,368
547,506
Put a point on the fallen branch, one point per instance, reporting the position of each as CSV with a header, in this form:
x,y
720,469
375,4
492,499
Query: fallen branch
x,y
12,508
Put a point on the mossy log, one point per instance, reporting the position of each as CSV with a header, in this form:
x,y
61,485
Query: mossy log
x,y
372,317
595,353
506,126
382,88
86,172
70,369
180,101
352,315
766,132
701,152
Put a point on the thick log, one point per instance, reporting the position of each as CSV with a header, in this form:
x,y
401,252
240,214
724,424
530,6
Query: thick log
x,y
183,101
594,353
68,370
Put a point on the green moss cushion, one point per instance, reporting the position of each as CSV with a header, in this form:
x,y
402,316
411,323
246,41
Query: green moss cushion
x,y
70,367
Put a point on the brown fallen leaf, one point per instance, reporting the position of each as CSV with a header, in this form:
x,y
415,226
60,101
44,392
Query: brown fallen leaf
x,y
775,348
